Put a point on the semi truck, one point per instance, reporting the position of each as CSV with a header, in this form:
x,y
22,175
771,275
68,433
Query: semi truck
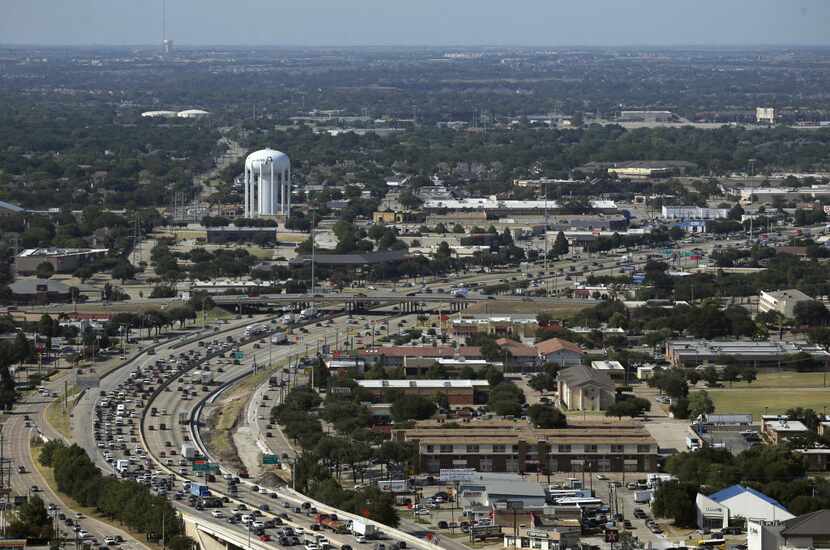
x,y
189,451
360,527
394,486
122,465
642,497
199,490
279,338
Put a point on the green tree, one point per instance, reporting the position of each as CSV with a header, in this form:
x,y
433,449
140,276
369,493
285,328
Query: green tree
x,y
412,407
560,245
700,403
811,313
675,500
546,416
632,407
44,270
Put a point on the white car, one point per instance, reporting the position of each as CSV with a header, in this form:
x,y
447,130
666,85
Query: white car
x,y
83,533
258,525
110,540
360,539
217,514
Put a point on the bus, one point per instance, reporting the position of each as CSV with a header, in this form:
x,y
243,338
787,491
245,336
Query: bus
x,y
712,543
579,502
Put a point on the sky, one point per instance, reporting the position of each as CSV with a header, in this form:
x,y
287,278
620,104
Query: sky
x,y
418,22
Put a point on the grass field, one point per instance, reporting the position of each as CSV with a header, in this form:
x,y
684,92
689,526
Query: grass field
x,y
759,401
58,417
785,380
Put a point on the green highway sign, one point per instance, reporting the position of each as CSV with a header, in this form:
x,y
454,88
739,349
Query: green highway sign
x,y
205,467
270,459
238,355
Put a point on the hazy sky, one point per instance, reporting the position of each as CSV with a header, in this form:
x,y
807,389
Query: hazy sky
x,y
417,22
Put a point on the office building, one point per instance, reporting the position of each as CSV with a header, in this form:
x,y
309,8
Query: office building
x,y
765,115
806,532
599,445
231,233
693,213
691,353
782,301
63,260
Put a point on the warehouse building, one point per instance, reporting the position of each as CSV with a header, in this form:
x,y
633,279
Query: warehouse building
x,y
63,260
233,234
691,353
599,445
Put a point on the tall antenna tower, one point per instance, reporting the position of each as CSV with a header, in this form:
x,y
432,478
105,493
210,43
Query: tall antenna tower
x,y
166,45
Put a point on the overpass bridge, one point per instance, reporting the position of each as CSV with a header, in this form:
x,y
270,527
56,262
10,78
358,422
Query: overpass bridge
x,y
213,535
408,303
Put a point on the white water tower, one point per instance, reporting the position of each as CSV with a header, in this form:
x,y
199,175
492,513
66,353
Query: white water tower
x,y
267,184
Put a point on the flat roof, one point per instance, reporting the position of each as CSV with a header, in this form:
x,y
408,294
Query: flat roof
x,y
607,365
48,252
380,384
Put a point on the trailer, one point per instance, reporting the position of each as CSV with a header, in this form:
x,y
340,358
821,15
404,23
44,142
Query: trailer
x,y
189,451
199,490
279,338
330,521
360,527
394,486
642,497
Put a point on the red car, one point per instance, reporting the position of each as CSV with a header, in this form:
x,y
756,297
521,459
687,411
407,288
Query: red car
x,y
265,538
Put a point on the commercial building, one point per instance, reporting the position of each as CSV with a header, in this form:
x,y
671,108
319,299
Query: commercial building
x,y
396,356
634,169
39,291
492,204
559,351
458,392
778,429
693,213
805,532
516,325
691,353
600,445
769,195
765,115
646,116
613,369
7,209
583,388
484,490
233,234
737,503
782,301
63,260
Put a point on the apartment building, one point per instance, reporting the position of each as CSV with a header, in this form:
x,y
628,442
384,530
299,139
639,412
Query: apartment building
x,y
599,445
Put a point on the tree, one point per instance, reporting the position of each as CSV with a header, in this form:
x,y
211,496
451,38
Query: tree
x,y
44,270
547,416
731,373
680,408
710,375
123,270
560,245
749,374
811,313
675,500
700,403
412,407
636,406
542,382
458,228
32,521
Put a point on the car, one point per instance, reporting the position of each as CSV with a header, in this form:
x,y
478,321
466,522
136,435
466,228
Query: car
x,y
639,514
110,541
360,539
602,477
443,525
217,514
627,524
265,537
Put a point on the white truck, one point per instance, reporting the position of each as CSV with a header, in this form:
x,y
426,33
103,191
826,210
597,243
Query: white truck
x,y
279,338
288,318
642,497
308,313
122,465
205,377
189,451
360,527
394,486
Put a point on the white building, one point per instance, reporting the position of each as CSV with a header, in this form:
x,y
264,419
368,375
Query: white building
x,y
782,301
765,115
716,510
805,532
267,184
693,213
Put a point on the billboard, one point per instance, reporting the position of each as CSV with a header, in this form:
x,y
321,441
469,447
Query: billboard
x,y
456,474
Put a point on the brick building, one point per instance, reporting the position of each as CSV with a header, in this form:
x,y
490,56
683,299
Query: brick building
x,y
458,392
600,445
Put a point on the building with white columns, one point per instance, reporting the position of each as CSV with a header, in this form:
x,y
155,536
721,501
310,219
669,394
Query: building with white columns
x,y
267,184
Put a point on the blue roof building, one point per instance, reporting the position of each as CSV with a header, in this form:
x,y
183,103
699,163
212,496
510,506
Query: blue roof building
x,y
718,509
